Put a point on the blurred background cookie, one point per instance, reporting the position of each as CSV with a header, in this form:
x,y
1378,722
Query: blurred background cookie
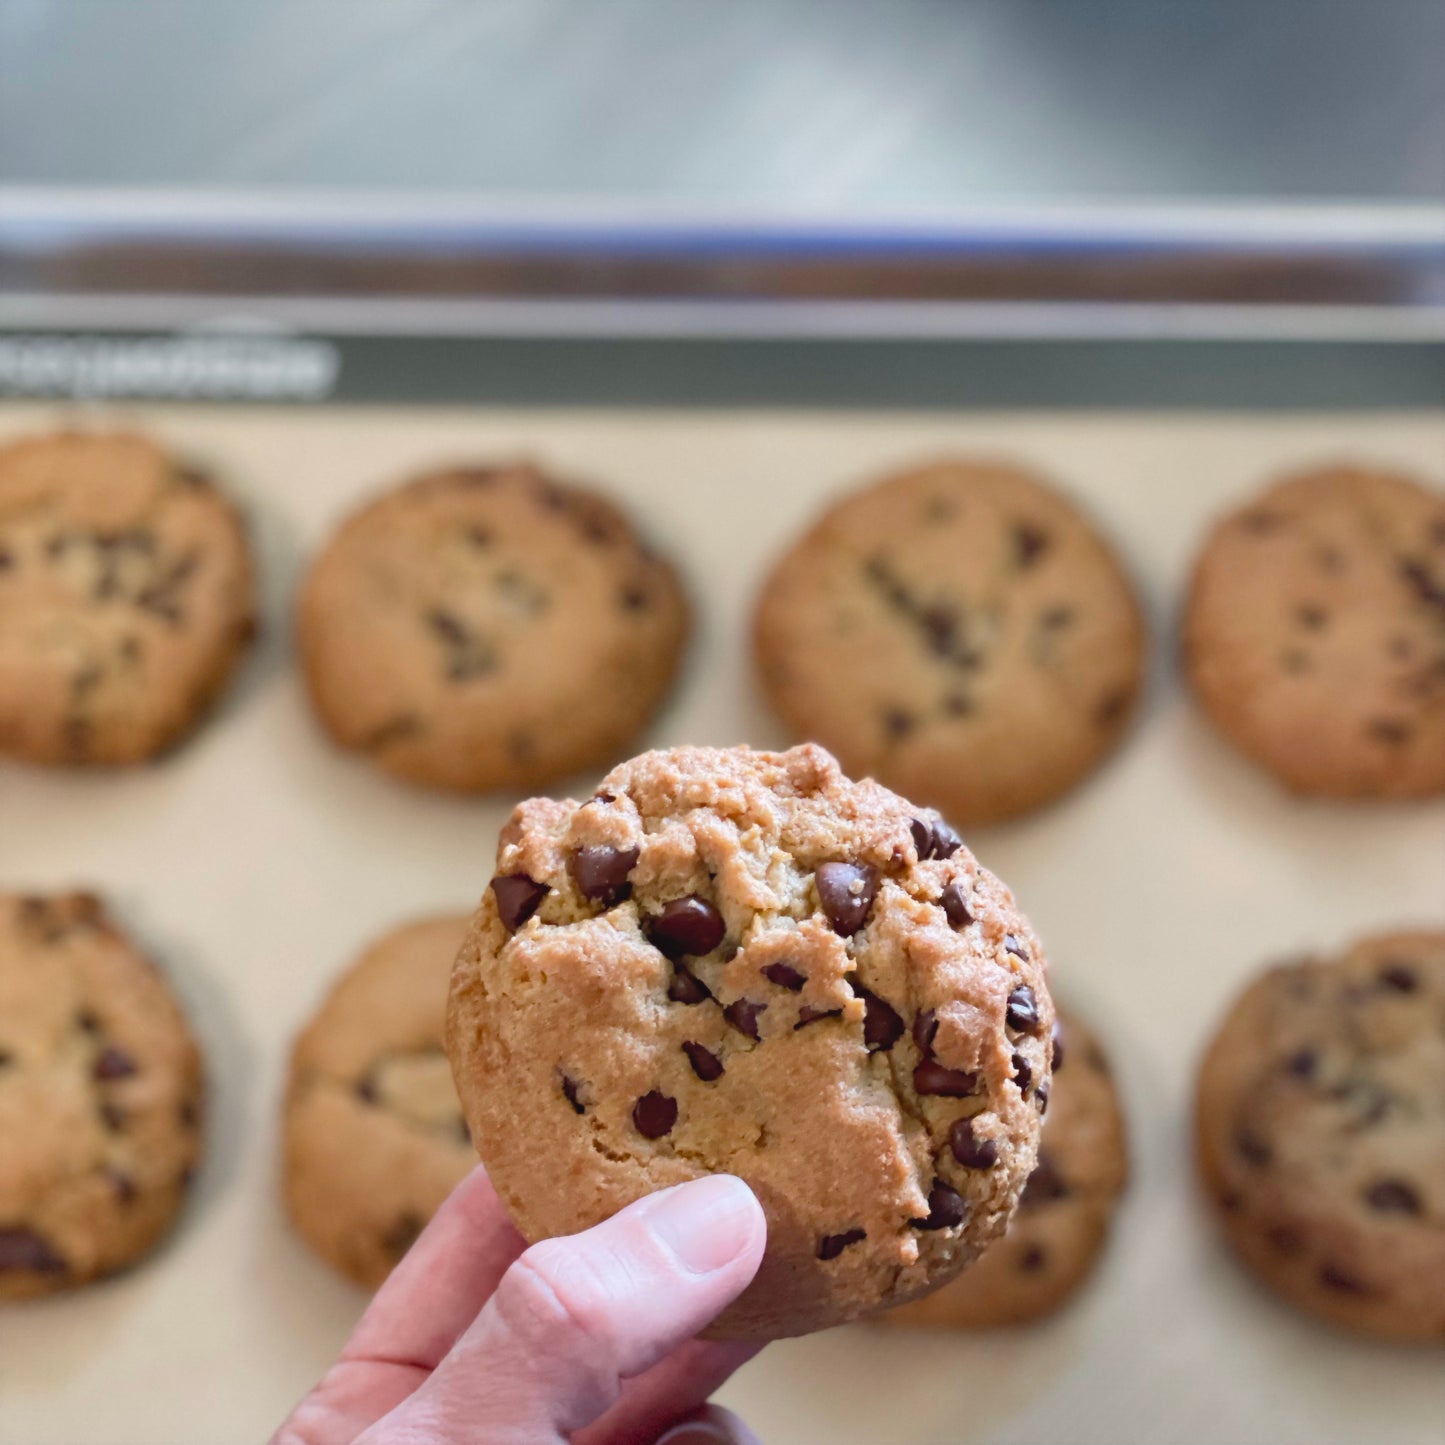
x,y
489,628
126,598
374,1136
1315,633
1320,1129
100,1097
1066,1209
960,632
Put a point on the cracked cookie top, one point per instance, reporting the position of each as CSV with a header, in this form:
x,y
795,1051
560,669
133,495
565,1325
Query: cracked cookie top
x,y
100,1096
374,1135
126,598
487,627
1315,633
729,960
959,631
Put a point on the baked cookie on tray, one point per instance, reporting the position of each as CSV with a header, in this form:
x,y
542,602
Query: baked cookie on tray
x,y
1320,1128
1314,635
960,632
374,1135
1065,1211
736,961
100,1097
488,627
126,598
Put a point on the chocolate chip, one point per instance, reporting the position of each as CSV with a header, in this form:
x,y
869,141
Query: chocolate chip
x,y
1041,1098
22,1248
113,1063
1054,618
393,730
932,1078
940,624
955,905
518,898
600,873
897,723
957,705
832,1245
366,1090
1390,731
971,1151
1400,977
403,1233
882,1023
112,1117
1285,1239
933,838
7,560
846,892
808,1015
87,1021
1022,1012
571,1091
705,1064
946,839
448,627
654,1115
1311,617
188,1114
686,927
1251,1148
634,599
1333,1277
785,976
1302,1064
1030,543
947,1208
1261,523
6,1058
1112,706
121,1183
1394,1196
1032,1259
1056,1046
1023,1074
743,1016
1013,946
687,987
922,838
461,1129
1046,1185
925,1030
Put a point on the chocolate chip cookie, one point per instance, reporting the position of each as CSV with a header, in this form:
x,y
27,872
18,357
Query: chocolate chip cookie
x,y
1315,633
960,632
727,960
1320,1127
100,1097
374,1135
1066,1208
126,598
489,628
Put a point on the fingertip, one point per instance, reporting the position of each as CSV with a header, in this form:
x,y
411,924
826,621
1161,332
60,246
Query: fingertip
x,y
709,1224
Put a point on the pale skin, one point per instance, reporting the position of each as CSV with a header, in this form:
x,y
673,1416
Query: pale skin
x,y
590,1339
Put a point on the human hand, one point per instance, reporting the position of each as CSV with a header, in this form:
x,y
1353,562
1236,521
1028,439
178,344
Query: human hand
x,y
589,1338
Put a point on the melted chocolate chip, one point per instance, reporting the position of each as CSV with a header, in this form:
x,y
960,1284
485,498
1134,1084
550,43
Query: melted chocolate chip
x,y
808,1015
1041,1098
365,1090
743,1016
947,1208
634,599
87,1021
1056,1046
1400,977
846,892
1251,1148
571,1091
1033,1259
830,1246
113,1063
1394,1196
654,1115
971,1151
897,723
925,1030
1023,1074
1022,1012
882,1023
600,873
1014,946
518,898
1030,543
1046,1185
933,838
687,987
955,906
705,1064
932,1078
1302,1064
785,976
686,927
22,1248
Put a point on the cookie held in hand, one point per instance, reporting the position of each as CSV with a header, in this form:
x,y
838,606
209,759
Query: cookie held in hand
x,y
735,961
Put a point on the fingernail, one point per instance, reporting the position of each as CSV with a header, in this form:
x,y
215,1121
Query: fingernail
x,y
694,1432
706,1223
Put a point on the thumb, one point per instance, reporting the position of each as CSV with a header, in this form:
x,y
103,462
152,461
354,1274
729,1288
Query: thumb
x,y
573,1317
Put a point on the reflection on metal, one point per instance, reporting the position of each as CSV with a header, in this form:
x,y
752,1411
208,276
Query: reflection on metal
x,y
391,266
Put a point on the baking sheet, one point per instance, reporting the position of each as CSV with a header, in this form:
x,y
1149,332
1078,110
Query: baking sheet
x,y
257,861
